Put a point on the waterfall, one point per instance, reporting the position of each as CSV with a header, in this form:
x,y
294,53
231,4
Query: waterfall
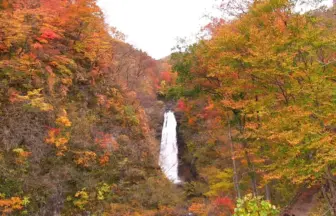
x,y
168,152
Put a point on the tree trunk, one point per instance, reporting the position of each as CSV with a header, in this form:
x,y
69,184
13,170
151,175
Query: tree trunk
x,y
268,192
326,197
235,173
330,180
251,172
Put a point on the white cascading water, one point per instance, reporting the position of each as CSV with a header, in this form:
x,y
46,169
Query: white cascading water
x,y
168,152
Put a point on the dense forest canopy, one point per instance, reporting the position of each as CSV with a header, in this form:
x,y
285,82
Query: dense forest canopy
x,y
80,110
260,91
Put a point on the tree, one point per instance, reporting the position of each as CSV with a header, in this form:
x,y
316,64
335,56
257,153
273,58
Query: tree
x,y
272,70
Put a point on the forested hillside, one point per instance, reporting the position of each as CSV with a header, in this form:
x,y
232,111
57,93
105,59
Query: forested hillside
x,y
81,113
74,135
259,100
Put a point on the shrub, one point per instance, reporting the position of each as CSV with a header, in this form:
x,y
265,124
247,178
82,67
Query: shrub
x,y
250,205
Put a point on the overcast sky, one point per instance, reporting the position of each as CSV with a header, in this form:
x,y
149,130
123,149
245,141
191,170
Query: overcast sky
x,y
154,25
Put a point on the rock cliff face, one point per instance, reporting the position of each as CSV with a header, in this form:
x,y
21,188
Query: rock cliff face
x,y
187,170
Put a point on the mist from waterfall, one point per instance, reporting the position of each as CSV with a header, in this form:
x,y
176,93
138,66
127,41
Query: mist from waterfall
x,y
168,160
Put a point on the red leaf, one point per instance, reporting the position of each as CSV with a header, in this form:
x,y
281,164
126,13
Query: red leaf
x,y
49,34
181,105
224,202
166,76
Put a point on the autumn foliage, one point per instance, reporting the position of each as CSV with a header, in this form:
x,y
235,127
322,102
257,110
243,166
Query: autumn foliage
x,y
79,112
11,205
260,91
74,130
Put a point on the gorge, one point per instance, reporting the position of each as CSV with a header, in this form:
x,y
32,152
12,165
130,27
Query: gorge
x,y
240,123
